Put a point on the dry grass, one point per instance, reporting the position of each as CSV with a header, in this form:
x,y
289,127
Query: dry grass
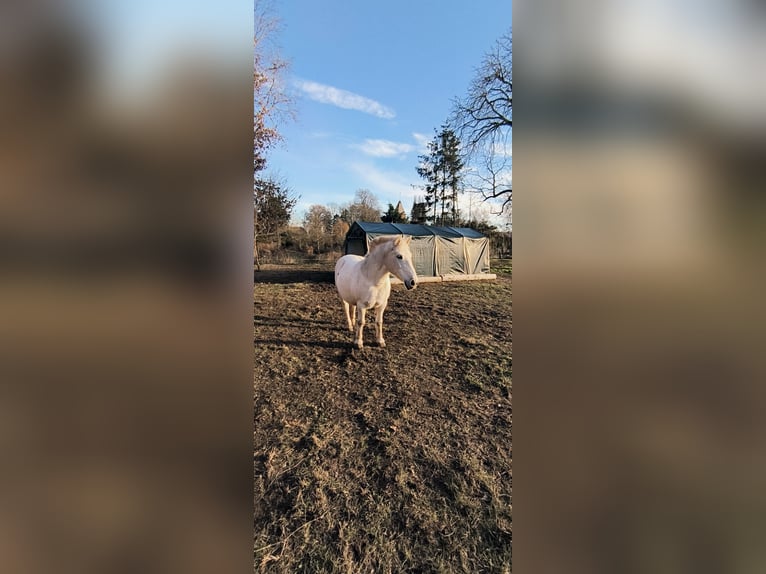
x,y
382,460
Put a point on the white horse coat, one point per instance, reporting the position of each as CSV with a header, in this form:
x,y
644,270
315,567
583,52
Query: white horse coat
x,y
363,282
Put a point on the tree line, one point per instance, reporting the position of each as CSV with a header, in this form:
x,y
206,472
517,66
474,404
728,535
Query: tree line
x,y
323,228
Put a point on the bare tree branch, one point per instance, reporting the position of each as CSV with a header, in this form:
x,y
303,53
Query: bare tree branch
x,y
271,102
483,120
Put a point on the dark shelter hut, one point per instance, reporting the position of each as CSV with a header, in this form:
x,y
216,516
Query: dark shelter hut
x,y
436,251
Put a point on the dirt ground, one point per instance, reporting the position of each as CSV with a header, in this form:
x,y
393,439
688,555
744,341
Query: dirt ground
x,y
393,459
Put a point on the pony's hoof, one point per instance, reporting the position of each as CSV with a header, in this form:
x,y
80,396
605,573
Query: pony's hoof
x,y
382,343
359,345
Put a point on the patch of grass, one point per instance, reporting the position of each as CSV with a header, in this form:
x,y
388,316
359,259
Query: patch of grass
x,y
501,266
474,382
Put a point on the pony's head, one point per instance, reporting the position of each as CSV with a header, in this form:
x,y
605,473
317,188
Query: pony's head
x,y
397,257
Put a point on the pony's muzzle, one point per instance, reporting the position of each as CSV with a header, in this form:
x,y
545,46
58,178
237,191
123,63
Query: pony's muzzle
x,y
410,284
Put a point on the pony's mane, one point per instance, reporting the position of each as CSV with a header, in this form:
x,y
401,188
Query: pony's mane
x,y
381,240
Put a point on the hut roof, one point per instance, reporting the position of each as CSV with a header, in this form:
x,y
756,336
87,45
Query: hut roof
x,y
416,230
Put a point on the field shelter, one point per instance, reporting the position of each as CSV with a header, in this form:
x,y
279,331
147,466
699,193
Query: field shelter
x,y
441,252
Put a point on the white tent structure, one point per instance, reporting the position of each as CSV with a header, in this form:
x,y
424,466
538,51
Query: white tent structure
x,y
438,253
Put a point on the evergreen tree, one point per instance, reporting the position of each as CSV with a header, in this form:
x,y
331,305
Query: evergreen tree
x,y
442,168
392,215
272,207
418,211
428,170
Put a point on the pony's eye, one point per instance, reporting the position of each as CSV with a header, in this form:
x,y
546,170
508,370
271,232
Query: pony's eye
x,y
398,256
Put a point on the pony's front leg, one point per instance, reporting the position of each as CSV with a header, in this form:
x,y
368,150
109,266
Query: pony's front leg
x,y
379,326
349,320
360,328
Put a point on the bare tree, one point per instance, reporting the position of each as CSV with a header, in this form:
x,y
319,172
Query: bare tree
x,y
483,120
318,225
365,207
492,171
270,106
271,103
339,230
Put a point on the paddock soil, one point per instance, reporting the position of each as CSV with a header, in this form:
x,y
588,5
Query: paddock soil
x,y
393,459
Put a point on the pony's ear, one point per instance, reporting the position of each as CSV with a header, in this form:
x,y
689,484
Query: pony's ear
x,y
407,239
398,240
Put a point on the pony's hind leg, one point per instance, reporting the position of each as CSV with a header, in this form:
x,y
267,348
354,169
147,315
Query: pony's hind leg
x,y
353,318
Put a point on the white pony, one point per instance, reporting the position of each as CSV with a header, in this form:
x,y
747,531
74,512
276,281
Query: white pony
x,y
363,282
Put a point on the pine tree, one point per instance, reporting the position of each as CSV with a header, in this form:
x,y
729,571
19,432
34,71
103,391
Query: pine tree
x,y
392,215
442,168
418,212
452,171
273,204
428,170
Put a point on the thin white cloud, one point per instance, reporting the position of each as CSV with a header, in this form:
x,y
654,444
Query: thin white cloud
x,y
385,148
387,185
325,94
422,140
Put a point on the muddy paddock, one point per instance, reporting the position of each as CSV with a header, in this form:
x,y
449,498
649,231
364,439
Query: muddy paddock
x,y
393,459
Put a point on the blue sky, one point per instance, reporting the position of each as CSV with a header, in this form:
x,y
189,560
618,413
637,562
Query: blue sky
x,y
371,82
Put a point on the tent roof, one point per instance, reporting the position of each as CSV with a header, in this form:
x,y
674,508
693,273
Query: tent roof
x,y
416,230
